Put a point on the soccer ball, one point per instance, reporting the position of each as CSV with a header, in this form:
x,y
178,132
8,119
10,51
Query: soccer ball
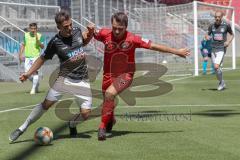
x,y
43,136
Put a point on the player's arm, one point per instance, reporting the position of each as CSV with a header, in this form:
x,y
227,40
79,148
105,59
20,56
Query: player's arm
x,y
22,47
36,65
88,34
209,32
47,54
183,52
230,37
39,41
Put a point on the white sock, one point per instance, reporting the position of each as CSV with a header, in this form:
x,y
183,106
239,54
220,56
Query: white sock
x,y
35,81
36,113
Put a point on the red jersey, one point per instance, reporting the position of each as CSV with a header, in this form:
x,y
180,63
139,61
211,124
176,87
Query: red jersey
x,y
119,55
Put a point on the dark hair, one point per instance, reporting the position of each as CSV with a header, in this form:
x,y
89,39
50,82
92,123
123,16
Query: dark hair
x,y
33,25
121,18
62,16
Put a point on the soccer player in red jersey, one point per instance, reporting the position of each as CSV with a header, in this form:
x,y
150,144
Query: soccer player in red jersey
x,y
119,64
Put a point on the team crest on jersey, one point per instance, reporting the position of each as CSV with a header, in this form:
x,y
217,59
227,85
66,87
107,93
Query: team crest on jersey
x,y
145,40
79,40
222,29
125,45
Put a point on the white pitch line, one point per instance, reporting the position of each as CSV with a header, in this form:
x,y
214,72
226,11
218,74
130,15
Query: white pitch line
x,y
19,108
157,106
13,109
153,106
178,79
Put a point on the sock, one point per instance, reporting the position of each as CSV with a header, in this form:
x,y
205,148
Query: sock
x,y
35,81
219,75
77,118
107,112
36,113
204,65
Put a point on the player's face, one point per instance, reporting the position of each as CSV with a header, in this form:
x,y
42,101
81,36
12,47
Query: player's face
x,y
218,18
118,29
33,30
66,28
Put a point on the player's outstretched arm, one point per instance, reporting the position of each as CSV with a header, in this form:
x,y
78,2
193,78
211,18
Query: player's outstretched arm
x,y
36,65
88,34
21,57
183,52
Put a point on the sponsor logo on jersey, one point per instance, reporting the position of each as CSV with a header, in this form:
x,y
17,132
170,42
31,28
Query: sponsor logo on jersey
x,y
75,52
218,37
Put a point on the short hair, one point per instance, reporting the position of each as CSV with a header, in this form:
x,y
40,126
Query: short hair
x,y
120,17
222,14
62,16
33,25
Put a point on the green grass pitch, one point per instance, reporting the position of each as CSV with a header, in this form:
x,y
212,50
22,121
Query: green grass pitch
x,y
191,122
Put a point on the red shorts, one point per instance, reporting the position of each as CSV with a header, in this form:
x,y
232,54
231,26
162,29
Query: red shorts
x,y
120,82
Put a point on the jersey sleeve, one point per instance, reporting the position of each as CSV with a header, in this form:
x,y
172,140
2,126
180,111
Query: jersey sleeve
x,y
50,51
41,39
141,42
99,35
80,33
229,29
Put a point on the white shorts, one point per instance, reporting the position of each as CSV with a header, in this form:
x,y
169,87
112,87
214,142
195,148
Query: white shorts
x,y
28,63
79,88
217,57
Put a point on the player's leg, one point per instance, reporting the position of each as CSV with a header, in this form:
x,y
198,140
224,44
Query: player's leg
x,y
212,64
52,97
35,80
85,104
27,65
118,85
205,61
204,64
217,60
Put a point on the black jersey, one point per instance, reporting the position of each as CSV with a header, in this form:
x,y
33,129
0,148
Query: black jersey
x,y
70,53
219,35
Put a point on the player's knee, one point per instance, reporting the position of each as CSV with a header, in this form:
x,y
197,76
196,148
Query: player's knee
x,y
47,104
219,70
109,96
85,113
216,67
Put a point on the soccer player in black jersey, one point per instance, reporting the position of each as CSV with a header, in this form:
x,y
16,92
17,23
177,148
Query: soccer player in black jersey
x,y
73,76
218,31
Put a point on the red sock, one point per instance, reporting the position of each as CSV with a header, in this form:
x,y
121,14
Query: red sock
x,y
107,112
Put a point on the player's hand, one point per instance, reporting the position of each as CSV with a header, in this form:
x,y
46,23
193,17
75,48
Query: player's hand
x,y
91,28
226,44
36,35
183,52
23,77
207,37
